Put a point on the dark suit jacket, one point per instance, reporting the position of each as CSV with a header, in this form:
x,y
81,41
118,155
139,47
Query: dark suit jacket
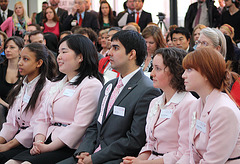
x,y
10,13
89,20
39,18
62,14
213,15
120,135
144,19
130,17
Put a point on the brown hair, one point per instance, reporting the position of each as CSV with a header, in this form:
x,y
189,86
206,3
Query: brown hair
x,y
157,35
55,18
211,64
172,58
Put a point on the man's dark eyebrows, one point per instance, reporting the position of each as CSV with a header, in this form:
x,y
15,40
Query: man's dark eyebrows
x,y
115,45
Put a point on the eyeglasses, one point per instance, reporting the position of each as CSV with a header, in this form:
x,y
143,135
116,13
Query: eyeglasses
x,y
203,43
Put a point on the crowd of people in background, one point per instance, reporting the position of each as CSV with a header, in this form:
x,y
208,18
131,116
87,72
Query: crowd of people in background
x,y
94,87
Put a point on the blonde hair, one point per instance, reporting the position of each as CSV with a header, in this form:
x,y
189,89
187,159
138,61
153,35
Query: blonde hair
x,y
104,31
25,16
229,29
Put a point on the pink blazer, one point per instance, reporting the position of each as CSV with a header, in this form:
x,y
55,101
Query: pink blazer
x,y
8,26
17,118
168,136
71,105
220,139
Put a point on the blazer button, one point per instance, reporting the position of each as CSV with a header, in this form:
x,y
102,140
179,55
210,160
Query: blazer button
x,y
23,124
19,118
19,110
101,137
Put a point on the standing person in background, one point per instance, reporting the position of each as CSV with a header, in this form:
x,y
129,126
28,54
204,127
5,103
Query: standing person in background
x,y
214,118
202,12
88,7
61,13
105,16
154,40
41,16
79,17
17,24
51,22
232,17
141,17
127,14
221,7
9,74
4,12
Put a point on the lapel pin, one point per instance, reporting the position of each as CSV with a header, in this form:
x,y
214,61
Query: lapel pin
x,y
129,88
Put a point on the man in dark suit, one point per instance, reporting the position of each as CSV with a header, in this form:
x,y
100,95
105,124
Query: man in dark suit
x,y
40,15
127,14
141,17
88,6
79,17
208,15
118,126
62,14
4,12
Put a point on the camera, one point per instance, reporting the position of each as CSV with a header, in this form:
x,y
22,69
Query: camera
x,y
161,16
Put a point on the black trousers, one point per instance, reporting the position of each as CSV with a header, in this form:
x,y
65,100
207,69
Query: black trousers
x,y
45,158
5,156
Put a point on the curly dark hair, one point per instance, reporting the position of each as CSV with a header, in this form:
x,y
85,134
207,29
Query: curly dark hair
x,y
172,58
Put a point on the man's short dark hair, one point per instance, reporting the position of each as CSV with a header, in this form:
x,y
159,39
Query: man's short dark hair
x,y
36,25
34,33
45,2
181,30
132,40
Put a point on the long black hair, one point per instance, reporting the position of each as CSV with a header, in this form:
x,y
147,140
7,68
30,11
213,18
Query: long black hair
x,y
89,66
41,53
110,15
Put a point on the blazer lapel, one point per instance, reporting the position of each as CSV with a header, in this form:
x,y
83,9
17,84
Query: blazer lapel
x,y
132,83
126,90
105,106
203,116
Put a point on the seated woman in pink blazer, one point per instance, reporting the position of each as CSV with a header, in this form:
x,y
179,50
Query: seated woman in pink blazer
x,y
214,118
17,23
71,103
25,100
167,120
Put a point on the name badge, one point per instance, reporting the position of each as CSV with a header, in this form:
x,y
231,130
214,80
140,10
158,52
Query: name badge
x,y
68,92
26,98
166,113
201,126
119,111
